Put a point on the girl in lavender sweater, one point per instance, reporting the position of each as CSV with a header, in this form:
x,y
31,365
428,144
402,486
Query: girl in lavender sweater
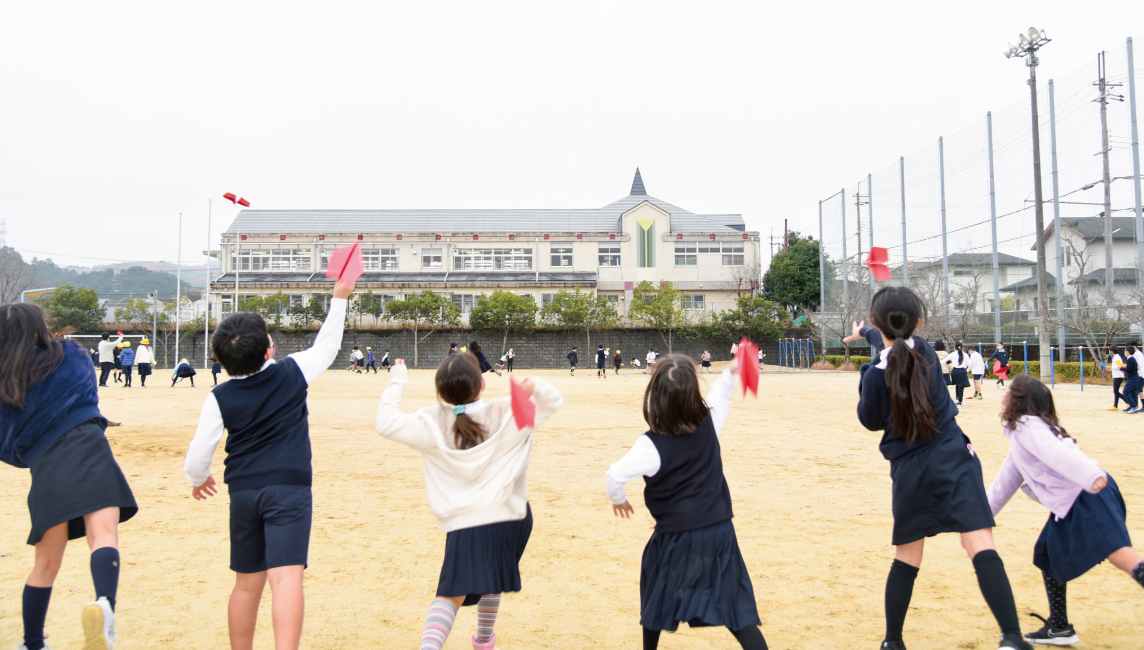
x,y
1087,514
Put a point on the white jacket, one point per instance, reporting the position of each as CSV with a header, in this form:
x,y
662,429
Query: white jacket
x,y
143,354
976,363
468,487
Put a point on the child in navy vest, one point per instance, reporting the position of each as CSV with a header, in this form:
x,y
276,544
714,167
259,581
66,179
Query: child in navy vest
x,y
50,423
263,409
692,569
938,485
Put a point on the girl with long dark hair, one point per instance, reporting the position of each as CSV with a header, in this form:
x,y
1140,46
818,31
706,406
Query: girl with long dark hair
x,y
476,473
958,363
50,423
938,484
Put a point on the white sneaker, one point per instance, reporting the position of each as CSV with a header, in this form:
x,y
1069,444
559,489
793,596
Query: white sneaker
x,y
98,626
24,647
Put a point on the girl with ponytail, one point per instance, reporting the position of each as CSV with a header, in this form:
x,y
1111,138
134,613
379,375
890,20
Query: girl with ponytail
x,y
958,370
937,481
476,473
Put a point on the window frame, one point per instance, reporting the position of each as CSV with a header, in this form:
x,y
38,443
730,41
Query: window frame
x,y
559,252
611,252
428,255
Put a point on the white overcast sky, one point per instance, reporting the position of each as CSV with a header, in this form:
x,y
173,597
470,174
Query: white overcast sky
x,y
116,117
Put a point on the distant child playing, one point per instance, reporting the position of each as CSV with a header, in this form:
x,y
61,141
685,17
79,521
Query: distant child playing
x,y
573,359
617,361
385,361
706,362
50,422
1002,358
692,571
183,370
601,362
1086,522
475,349
1132,371
476,474
977,371
958,363
371,361
216,369
144,359
268,470
937,481
126,362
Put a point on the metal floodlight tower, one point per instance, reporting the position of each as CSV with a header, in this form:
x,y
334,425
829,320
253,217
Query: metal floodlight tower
x,y
1027,48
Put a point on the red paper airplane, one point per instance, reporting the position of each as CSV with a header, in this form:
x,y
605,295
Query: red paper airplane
x,y
243,202
345,264
748,356
523,408
878,262
229,196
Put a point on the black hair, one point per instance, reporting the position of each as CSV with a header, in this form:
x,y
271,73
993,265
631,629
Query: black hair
x,y
240,343
106,335
474,347
601,346
1113,349
960,353
939,346
459,381
673,405
1000,344
28,351
896,311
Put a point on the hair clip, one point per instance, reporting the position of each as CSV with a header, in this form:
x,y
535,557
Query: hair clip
x,y
458,409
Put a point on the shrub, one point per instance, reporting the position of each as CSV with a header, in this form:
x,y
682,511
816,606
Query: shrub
x,y
1066,372
837,360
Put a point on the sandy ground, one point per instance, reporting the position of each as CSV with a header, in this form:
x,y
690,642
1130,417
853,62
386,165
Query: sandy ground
x,y
811,497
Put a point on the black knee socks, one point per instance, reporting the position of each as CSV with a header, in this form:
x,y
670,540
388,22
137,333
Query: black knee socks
x,y
105,573
35,612
994,584
1058,604
1138,573
751,638
650,639
899,590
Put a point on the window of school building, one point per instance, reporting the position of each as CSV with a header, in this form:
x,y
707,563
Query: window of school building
x,y
609,253
686,253
546,298
297,300
492,259
465,301
430,258
561,255
694,302
272,258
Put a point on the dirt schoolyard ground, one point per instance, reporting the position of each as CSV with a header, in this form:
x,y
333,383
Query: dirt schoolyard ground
x,y
812,510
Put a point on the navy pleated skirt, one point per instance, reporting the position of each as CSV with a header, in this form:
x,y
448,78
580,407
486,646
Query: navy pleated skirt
x,y
696,577
1093,530
939,489
484,559
77,475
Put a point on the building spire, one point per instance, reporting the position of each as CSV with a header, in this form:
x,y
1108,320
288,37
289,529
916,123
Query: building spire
x,y
637,184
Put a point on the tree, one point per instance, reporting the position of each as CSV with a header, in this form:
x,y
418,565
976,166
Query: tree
x,y
504,312
369,304
136,312
302,316
426,310
660,308
792,280
15,275
577,310
74,307
754,317
746,279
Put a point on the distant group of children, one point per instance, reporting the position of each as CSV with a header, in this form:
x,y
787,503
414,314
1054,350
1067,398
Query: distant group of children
x,y
476,457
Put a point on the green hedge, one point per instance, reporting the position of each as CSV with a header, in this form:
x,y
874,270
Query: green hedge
x,y
1065,371
837,360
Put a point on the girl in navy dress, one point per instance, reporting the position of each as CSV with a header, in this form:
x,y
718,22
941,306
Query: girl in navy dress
x,y
958,363
692,570
50,423
475,349
938,486
476,473
1087,514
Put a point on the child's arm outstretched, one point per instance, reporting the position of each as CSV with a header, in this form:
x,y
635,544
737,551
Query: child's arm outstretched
x,y
1005,485
407,428
314,361
642,460
1060,455
719,397
202,449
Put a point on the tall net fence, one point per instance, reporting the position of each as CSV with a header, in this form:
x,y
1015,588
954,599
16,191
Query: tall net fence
x,y
944,211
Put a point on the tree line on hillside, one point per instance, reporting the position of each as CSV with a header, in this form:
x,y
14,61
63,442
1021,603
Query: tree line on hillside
x,y
17,275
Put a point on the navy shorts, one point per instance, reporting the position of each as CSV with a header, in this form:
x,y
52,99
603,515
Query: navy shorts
x,y
270,527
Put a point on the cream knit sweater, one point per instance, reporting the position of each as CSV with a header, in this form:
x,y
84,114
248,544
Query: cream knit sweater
x,y
468,487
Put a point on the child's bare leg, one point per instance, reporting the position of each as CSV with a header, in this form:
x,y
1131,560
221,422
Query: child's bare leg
x,y
242,612
1126,559
289,606
900,586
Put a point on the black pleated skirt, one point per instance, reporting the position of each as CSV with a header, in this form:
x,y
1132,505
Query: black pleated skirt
x,y
939,489
1093,530
484,559
696,577
76,476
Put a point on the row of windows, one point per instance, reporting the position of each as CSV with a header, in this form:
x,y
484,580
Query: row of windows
x,y
690,301
608,254
464,301
687,252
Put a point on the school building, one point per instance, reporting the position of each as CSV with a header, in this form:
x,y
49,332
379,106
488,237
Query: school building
x,y
711,258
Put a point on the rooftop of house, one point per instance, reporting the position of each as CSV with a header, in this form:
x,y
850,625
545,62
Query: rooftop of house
x,y
1030,283
1090,228
980,260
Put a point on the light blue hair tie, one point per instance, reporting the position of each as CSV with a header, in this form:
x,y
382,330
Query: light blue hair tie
x,y
458,409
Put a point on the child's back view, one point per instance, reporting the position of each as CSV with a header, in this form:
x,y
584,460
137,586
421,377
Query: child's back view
x,y
268,470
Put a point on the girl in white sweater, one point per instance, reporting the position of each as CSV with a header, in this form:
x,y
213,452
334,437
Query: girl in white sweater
x,y
476,473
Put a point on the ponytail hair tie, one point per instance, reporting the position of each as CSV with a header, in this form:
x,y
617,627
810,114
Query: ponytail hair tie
x,y
458,409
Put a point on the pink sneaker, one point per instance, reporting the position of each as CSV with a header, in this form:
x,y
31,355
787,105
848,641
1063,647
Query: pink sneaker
x,y
490,645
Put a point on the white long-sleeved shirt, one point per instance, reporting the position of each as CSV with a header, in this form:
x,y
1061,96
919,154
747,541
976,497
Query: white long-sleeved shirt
x,y
976,363
470,487
311,362
957,360
1117,367
143,354
107,349
643,459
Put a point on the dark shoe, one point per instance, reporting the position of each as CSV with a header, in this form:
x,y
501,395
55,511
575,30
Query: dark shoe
x,y
1013,642
893,645
1049,635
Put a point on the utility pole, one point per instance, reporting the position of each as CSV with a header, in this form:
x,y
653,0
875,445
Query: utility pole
x,y
786,237
858,203
1103,86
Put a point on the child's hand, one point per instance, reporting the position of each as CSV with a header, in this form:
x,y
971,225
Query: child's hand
x,y
856,328
1099,484
207,489
624,510
733,365
343,289
399,362
527,386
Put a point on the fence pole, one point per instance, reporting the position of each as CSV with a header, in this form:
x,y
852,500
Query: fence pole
x,y
821,284
993,223
845,271
812,351
870,219
1053,368
1135,156
1026,344
944,242
905,253
1057,218
1081,348
782,344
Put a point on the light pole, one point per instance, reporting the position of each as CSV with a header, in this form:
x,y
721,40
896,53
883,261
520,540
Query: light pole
x,y
1028,47
237,200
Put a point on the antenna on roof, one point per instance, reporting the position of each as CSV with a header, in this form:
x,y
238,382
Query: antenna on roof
x,y
637,184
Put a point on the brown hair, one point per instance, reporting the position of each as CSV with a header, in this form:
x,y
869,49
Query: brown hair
x,y
459,382
896,312
672,403
28,351
1028,396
